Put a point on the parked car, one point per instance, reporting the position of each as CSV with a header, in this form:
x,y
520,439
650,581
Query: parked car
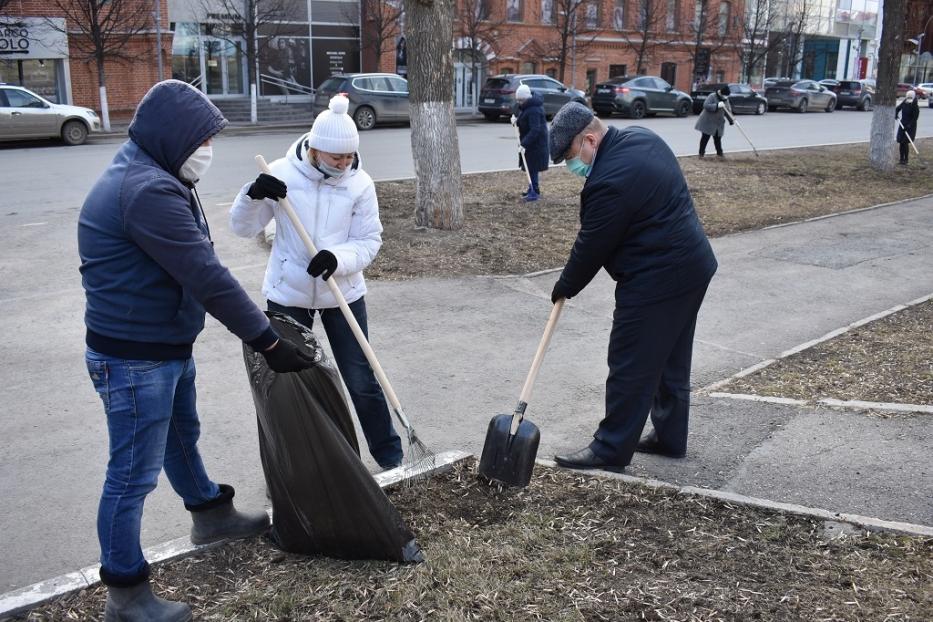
x,y
772,80
742,97
800,95
25,115
903,87
924,90
374,97
497,97
639,96
854,93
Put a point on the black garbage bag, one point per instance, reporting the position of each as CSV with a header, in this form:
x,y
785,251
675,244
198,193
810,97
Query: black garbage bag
x,y
324,501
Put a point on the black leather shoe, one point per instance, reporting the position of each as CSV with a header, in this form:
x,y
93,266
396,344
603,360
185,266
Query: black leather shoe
x,y
650,445
586,459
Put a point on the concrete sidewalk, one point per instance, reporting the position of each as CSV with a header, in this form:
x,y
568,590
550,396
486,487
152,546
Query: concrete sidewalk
x,y
457,352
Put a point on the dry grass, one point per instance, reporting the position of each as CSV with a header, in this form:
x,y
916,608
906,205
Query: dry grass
x,y
502,235
888,360
569,547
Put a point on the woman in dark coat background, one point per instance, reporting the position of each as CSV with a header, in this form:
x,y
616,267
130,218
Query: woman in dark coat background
x,y
909,111
533,136
712,121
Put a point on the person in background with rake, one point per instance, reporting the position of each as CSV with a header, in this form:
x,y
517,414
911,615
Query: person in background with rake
x,y
532,136
712,121
336,202
909,112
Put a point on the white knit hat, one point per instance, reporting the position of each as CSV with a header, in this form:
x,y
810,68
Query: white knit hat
x,y
522,92
910,95
333,130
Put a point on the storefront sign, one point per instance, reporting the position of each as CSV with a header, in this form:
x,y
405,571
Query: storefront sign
x,y
33,37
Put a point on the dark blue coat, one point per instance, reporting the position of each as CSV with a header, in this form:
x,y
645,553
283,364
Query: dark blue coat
x,y
637,221
532,130
147,261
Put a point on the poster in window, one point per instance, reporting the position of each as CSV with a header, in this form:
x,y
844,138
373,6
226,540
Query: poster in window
x,y
286,60
547,11
401,57
513,10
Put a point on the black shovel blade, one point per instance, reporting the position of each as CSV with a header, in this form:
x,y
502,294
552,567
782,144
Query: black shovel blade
x,y
506,458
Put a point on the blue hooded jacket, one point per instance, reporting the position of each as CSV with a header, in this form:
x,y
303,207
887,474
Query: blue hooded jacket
x,y
532,131
148,265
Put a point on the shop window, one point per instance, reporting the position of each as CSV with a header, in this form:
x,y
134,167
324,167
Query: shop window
x,y
724,11
592,15
618,70
551,72
590,80
669,72
673,15
528,67
548,11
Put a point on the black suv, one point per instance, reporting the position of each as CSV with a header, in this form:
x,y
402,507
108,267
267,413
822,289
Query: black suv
x,y
497,98
639,96
742,98
854,93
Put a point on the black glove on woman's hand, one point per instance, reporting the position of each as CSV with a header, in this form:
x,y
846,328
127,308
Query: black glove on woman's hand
x,y
322,265
557,293
285,357
266,187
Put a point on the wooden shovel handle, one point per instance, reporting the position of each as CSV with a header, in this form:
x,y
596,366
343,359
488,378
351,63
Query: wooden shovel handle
x,y
542,348
335,290
522,154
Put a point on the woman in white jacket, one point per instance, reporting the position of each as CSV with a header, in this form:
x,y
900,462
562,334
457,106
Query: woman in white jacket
x,y
336,202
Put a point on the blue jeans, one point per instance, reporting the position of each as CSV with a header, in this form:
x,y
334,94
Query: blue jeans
x,y
153,424
365,393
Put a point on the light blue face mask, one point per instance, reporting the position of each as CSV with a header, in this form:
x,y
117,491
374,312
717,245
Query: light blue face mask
x,y
577,167
330,171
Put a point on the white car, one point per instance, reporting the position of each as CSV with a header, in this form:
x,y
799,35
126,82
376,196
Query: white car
x,y
927,88
25,115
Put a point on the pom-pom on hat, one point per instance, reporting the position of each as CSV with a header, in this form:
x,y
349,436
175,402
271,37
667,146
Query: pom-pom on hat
x,y
333,130
522,92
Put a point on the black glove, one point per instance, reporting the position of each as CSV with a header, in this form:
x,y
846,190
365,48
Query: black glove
x,y
266,187
285,357
558,292
323,265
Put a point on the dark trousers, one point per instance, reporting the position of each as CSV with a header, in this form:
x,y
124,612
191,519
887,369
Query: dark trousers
x,y
905,151
650,352
717,141
534,180
365,393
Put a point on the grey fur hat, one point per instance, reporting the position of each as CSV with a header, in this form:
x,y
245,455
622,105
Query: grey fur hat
x,y
569,121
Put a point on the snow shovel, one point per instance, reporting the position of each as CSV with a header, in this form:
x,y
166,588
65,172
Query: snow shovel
x,y
511,440
420,458
736,123
521,154
910,140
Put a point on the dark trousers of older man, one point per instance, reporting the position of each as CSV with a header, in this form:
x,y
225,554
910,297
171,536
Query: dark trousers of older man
x,y
650,352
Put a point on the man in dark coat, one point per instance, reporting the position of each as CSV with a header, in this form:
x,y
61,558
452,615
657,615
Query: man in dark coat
x,y
908,111
637,221
149,273
532,135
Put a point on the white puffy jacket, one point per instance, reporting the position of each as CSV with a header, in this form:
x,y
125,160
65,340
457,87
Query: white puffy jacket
x,y
341,215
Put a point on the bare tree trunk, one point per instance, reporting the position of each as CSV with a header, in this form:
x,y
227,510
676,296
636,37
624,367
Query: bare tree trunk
x,y
883,125
102,87
434,145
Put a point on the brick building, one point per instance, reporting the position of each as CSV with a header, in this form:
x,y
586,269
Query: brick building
x,y
523,36
44,51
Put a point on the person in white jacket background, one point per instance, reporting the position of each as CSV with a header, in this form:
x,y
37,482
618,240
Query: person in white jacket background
x,y
336,202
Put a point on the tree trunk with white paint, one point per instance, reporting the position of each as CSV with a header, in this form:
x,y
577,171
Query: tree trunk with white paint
x,y
434,145
883,125
102,90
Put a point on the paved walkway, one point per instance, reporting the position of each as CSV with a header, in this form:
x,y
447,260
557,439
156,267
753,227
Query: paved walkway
x,y
457,352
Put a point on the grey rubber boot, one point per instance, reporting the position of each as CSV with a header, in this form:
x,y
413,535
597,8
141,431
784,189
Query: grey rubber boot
x,y
139,604
219,520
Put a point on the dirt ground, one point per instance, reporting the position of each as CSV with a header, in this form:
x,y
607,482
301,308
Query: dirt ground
x,y
569,547
502,235
888,360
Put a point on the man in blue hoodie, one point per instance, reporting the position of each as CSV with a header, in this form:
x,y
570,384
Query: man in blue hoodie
x,y
638,222
149,273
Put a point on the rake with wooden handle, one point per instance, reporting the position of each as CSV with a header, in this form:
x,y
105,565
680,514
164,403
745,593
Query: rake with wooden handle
x,y
420,458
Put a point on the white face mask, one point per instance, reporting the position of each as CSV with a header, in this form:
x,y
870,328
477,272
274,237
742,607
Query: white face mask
x,y
197,164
